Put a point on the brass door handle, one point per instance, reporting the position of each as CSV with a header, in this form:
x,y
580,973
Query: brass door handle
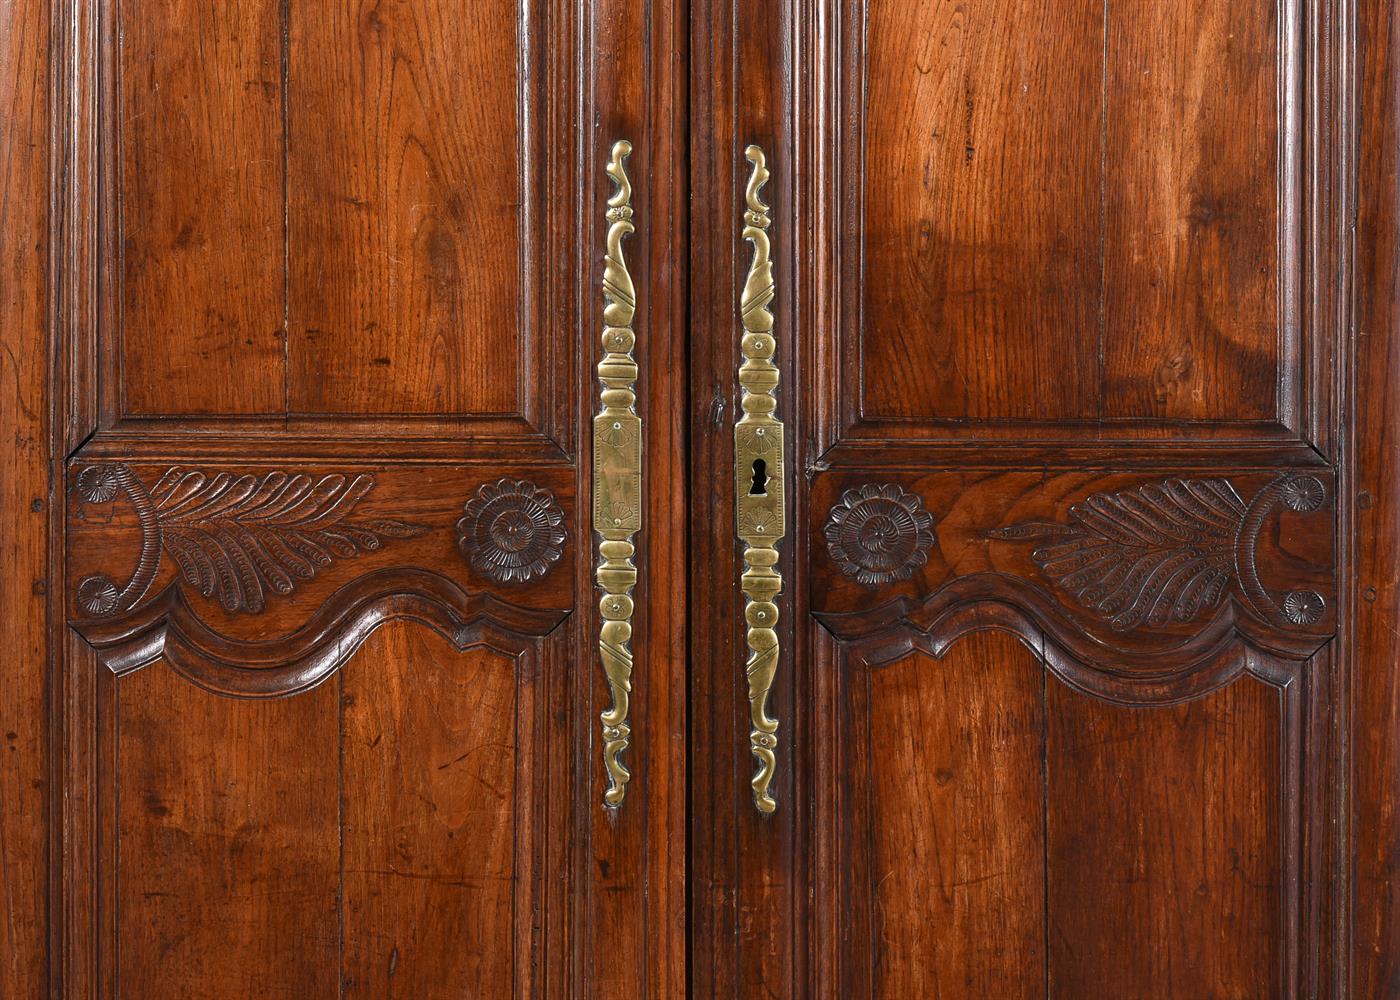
x,y
758,480
617,476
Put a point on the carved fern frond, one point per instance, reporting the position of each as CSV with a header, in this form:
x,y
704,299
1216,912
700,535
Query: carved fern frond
x,y
238,537
1161,552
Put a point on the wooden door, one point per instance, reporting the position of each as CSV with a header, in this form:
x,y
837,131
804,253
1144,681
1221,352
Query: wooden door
x,y
329,302
1084,320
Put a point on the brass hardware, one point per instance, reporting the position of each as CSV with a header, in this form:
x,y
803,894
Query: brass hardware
x,y
758,478
617,476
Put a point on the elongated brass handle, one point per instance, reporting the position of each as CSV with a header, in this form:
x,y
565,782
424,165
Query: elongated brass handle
x,y
758,480
617,476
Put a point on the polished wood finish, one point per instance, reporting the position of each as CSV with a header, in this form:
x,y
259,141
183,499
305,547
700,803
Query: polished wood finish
x,y
331,275
1064,314
29,823
1372,483
1087,324
413,177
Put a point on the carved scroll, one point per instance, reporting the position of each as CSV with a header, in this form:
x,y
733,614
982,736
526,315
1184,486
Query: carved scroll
x,y
1171,550
617,476
758,477
236,538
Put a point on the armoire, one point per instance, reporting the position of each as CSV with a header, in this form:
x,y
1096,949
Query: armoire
x,y
610,499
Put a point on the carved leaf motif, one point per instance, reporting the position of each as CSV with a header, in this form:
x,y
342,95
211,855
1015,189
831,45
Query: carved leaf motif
x,y
1161,552
238,537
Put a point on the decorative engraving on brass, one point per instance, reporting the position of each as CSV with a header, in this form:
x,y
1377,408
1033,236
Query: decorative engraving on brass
x,y
758,478
617,476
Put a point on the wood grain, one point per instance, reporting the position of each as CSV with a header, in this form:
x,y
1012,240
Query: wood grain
x,y
1191,212
981,179
26,500
429,802
1374,486
1073,217
200,208
227,841
1165,846
405,208
958,865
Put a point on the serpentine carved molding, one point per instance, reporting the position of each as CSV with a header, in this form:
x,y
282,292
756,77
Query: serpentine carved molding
x,y
1154,591
169,629
237,538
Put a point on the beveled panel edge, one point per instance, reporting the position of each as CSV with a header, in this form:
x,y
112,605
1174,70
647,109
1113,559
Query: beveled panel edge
x,y
1317,74
83,191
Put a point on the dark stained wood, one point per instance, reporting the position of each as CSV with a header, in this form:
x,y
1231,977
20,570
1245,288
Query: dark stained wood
x,y
227,849
200,311
396,219
1373,482
26,502
406,207
434,773
1031,262
954,774
1193,197
1072,216
980,235
1165,846
749,889
1034,265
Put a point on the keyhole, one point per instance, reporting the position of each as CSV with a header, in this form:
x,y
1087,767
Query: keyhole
x,y
760,479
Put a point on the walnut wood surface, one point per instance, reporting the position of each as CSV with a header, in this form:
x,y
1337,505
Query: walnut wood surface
x,y
28,820
1044,274
1036,267
331,275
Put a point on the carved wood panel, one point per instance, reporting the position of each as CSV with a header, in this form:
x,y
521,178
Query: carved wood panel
x,y
1086,221
320,377
383,251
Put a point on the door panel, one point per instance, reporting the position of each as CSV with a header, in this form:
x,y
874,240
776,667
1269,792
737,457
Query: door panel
x,y
330,707
1065,594
414,174
223,839
947,790
1086,217
1213,883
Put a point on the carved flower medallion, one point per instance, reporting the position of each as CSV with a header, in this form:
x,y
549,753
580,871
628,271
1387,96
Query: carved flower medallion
x,y
879,533
511,531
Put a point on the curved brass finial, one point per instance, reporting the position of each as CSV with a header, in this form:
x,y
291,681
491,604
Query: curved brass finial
x,y
759,482
617,476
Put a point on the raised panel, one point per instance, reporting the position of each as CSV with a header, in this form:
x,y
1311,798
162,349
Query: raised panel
x,y
436,829
339,211
981,187
224,873
951,763
1085,219
196,151
998,828
1167,846
407,206
1193,128
377,834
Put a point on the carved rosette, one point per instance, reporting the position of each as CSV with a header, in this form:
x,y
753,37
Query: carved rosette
x,y
1169,551
236,538
511,531
879,534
